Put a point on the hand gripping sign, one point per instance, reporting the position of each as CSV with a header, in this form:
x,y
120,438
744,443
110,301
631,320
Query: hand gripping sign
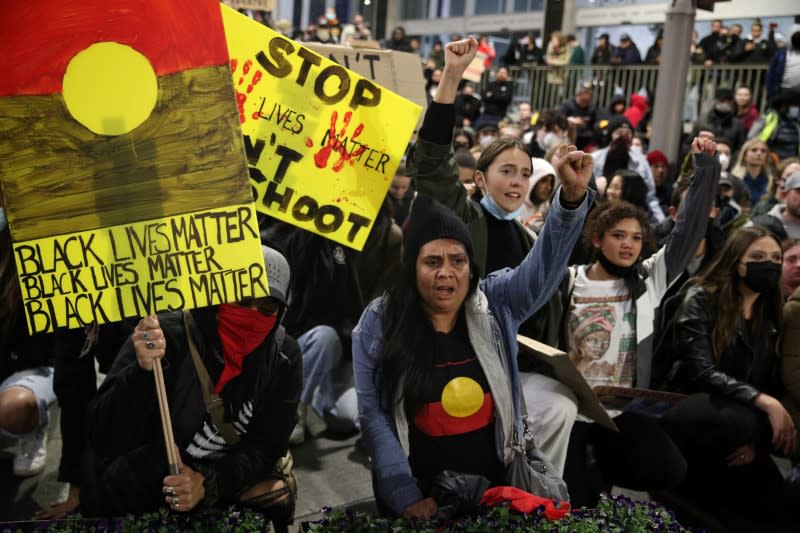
x,y
122,164
322,142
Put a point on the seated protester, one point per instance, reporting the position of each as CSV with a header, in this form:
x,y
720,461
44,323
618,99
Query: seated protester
x,y
780,128
536,203
552,130
581,114
441,328
462,139
786,168
618,156
752,167
790,272
325,306
235,457
466,170
722,119
787,213
659,164
610,327
26,369
401,193
468,106
75,385
790,331
501,241
725,332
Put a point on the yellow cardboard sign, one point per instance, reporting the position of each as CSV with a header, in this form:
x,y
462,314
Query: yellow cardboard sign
x,y
104,275
322,142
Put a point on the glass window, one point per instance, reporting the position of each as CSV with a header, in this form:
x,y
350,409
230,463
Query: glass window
x,y
489,7
524,6
457,8
415,9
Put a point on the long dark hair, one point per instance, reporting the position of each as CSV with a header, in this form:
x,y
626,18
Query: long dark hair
x,y
720,280
408,339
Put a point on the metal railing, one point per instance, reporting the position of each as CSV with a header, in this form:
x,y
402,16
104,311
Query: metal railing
x,y
547,87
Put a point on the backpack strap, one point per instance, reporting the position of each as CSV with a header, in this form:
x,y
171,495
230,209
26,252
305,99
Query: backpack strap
x,y
215,407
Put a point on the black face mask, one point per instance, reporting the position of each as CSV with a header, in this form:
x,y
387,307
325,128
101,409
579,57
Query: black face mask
x,y
761,276
614,269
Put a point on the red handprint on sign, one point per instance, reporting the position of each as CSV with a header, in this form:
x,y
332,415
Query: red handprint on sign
x,y
241,97
336,143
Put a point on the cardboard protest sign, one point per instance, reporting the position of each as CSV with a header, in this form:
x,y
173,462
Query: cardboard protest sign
x,y
122,164
322,142
400,72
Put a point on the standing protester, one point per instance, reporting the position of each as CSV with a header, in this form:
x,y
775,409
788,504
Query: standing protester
x,y
581,114
603,50
496,98
627,53
784,69
238,353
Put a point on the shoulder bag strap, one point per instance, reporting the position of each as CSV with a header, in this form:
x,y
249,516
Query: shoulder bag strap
x,y
214,404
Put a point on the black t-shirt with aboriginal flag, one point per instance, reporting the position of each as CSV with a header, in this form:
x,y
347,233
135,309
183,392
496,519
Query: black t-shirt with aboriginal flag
x,y
454,430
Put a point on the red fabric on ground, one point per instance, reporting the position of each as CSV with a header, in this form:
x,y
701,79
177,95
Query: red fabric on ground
x,y
524,502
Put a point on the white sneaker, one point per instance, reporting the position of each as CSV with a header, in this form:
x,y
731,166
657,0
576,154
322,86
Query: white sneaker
x,y
299,432
31,454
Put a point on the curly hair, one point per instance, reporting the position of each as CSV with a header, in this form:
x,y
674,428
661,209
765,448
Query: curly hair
x,y
606,216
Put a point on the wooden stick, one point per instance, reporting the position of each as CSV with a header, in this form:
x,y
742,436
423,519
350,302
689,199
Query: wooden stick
x,y
166,420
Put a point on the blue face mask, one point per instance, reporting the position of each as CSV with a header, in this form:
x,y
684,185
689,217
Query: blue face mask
x,y
498,212
3,221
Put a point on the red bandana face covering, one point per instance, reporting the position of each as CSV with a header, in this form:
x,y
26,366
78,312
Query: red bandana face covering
x,y
240,330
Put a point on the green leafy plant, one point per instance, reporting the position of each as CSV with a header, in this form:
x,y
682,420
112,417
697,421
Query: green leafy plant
x,y
614,514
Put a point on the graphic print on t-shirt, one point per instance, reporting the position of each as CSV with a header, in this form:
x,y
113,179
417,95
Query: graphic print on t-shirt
x,y
602,331
463,407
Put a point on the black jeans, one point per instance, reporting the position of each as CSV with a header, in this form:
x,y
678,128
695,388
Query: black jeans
x,y
708,428
641,456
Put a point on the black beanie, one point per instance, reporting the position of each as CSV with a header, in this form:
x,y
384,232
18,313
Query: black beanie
x,y
429,220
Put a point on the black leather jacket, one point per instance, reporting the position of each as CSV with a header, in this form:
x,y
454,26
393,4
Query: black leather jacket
x,y
748,366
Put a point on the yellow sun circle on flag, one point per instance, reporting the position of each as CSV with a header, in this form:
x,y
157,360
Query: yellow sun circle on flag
x,y
462,397
110,88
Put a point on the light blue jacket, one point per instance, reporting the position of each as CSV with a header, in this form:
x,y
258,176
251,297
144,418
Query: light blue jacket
x,y
494,312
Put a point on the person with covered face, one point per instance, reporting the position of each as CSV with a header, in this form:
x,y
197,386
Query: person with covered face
x,y
618,156
235,355
726,332
435,358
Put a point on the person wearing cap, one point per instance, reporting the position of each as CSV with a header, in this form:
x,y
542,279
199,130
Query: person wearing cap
x,y
234,456
435,358
653,56
627,53
486,133
618,156
603,50
788,212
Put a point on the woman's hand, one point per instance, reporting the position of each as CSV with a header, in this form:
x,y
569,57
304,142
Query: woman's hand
x,y
702,145
62,509
743,455
424,509
574,169
149,342
184,491
784,434
457,57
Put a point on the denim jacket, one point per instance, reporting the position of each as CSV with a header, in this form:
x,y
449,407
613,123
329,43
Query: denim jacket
x,y
493,312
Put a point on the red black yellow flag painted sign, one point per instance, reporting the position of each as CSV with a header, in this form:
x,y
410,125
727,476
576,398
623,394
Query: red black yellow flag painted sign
x,y
122,163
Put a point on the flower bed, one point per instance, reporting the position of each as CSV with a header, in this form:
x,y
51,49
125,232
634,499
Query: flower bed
x,y
614,514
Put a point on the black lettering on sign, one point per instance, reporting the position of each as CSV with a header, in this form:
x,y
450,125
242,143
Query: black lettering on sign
x,y
365,92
